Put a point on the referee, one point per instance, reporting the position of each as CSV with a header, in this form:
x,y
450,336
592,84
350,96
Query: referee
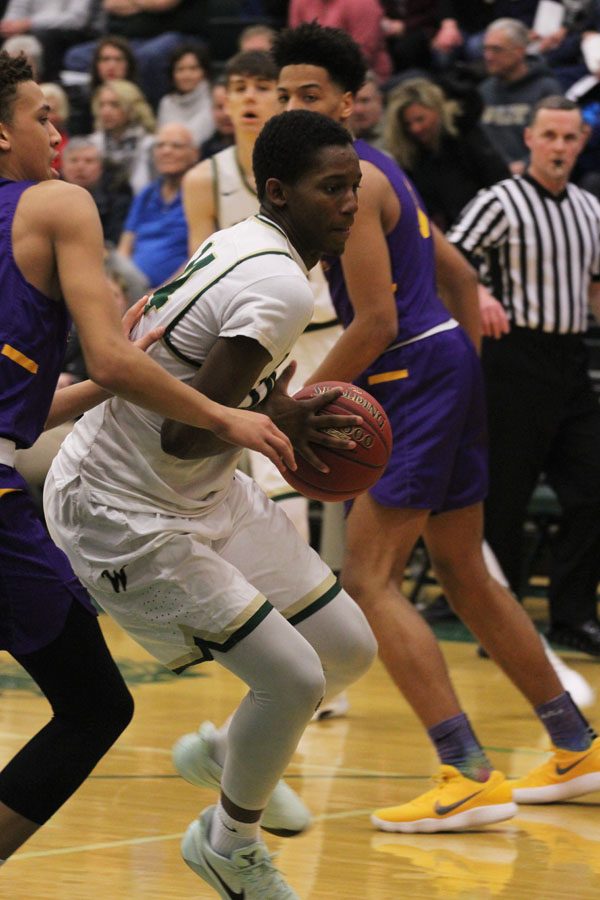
x,y
536,239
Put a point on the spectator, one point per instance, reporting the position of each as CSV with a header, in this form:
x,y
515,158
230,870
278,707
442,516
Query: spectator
x,y
124,126
223,134
257,37
360,18
586,92
30,47
409,26
366,121
54,24
512,88
107,183
155,235
190,101
562,48
112,59
439,142
58,115
153,35
460,34
539,241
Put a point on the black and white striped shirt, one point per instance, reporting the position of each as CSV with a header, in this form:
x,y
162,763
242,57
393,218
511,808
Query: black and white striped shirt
x,y
538,251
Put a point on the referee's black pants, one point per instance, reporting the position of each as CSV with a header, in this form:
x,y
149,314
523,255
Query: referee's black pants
x,y
544,417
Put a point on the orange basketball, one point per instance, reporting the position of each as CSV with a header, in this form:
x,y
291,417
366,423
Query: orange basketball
x,y
350,471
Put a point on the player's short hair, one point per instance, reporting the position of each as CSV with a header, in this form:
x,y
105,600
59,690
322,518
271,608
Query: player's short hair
x,y
288,143
13,71
553,101
252,64
328,48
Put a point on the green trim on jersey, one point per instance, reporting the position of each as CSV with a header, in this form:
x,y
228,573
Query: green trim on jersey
x,y
215,188
193,300
242,174
206,646
318,604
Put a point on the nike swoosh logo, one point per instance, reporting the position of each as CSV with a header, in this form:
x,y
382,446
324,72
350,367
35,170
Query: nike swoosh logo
x,y
233,894
442,810
562,770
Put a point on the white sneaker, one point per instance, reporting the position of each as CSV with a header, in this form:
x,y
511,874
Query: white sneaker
x,y
248,874
581,691
333,709
285,814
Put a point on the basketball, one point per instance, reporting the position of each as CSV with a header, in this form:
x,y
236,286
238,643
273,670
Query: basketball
x,y
350,471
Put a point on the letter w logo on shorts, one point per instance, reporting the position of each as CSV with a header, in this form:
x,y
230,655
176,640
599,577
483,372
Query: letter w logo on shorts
x,y
118,579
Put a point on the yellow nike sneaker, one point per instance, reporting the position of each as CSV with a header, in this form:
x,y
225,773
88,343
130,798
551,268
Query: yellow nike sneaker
x,y
455,803
567,774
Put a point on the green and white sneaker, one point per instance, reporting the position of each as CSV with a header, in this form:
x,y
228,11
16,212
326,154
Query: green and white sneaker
x,y
248,875
285,814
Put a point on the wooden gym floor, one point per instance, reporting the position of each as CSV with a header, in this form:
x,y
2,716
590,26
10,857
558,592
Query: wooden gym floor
x,y
119,835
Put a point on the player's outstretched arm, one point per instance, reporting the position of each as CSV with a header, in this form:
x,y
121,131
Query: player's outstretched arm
x,y
68,217
74,400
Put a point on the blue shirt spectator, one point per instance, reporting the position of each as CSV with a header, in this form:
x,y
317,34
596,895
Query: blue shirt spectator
x,y
155,232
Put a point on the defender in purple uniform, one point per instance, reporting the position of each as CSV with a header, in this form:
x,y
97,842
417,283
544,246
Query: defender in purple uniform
x,y
50,248
404,347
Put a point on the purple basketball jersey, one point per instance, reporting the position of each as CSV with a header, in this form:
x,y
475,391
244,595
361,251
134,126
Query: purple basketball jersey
x,y
33,336
431,388
410,245
37,584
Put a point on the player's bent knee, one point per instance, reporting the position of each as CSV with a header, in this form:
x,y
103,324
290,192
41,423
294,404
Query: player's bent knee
x,y
110,719
359,646
304,682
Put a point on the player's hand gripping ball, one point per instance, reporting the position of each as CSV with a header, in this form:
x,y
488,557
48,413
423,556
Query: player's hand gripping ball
x,y
350,471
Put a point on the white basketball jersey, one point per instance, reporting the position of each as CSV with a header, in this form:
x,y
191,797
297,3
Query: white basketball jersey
x,y
236,199
245,280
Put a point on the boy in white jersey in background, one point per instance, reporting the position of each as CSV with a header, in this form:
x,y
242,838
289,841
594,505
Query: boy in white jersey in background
x,y
219,192
187,553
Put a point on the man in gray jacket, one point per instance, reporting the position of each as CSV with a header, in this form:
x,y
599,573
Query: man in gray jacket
x,y
512,88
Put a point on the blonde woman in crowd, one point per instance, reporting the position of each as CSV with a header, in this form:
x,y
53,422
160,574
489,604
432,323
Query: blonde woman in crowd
x,y
438,141
124,126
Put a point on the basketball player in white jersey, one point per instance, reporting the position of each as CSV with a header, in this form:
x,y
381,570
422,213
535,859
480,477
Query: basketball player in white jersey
x,y
219,192
187,553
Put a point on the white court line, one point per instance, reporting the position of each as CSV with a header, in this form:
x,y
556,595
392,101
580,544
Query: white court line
x,y
109,845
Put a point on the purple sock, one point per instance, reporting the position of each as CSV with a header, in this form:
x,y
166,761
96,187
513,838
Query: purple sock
x,y
564,723
457,746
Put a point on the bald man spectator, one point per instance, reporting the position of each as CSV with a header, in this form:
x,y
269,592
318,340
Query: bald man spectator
x,y
82,164
155,234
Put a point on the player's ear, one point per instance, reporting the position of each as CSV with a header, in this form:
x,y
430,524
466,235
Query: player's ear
x,y
346,106
275,192
4,138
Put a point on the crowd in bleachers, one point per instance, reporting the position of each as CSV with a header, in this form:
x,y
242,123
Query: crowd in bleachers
x,y
446,101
